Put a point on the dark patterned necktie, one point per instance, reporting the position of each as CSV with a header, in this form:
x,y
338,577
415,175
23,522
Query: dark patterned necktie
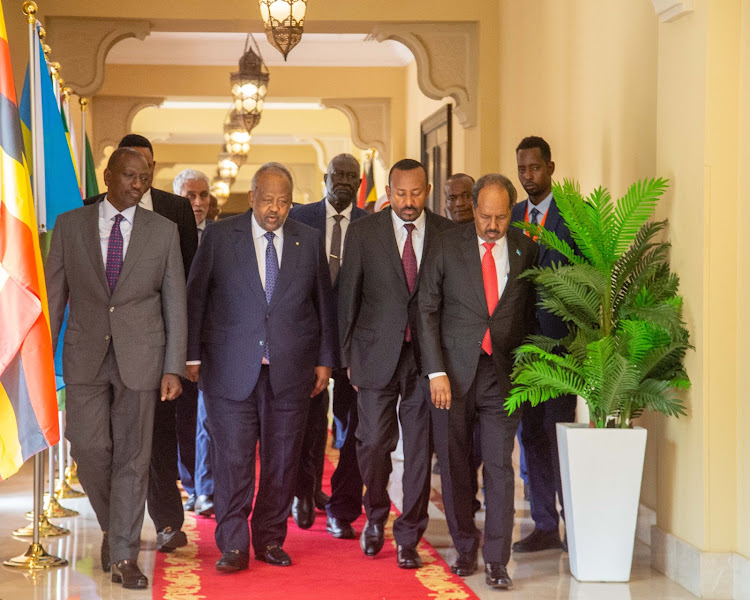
x,y
409,260
272,274
114,254
535,216
334,257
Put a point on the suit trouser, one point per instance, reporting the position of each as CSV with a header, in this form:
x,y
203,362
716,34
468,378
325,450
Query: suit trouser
x,y
310,473
346,481
204,476
377,437
110,428
453,431
163,497
277,421
186,418
539,435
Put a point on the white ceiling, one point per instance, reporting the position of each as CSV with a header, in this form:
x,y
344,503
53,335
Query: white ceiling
x,y
225,49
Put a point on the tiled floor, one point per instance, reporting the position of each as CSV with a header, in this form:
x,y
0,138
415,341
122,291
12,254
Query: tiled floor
x,y
544,576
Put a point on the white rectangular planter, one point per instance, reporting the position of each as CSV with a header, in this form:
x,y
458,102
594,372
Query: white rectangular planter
x,y
601,472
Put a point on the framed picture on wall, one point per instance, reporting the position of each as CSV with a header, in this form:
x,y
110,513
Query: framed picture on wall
x,y
437,152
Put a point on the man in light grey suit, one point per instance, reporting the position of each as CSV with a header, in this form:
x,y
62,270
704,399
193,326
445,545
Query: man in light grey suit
x,y
121,269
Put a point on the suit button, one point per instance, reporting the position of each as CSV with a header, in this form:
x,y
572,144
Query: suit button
x,y
261,342
111,309
106,337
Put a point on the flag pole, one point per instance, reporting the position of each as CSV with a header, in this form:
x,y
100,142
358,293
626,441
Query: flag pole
x,y
84,103
35,558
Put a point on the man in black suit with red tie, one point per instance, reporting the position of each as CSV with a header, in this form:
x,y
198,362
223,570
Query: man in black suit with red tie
x,y
378,317
332,217
474,311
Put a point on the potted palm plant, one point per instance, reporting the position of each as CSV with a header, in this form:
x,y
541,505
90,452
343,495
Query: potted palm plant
x,y
624,354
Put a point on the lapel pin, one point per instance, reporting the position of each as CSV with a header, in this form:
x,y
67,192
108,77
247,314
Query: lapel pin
x,y
518,252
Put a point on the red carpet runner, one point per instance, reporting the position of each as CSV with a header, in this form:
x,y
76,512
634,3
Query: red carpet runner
x,y
323,568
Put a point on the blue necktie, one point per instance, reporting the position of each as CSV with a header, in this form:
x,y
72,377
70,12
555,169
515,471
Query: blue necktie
x,y
272,274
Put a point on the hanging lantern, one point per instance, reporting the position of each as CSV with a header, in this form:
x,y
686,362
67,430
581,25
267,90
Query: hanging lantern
x,y
228,166
236,137
249,88
221,188
284,20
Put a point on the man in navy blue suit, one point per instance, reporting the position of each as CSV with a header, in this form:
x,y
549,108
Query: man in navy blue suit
x,y
261,340
331,216
538,432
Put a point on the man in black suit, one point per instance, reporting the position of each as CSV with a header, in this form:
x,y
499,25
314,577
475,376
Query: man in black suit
x,y
332,216
377,325
164,502
538,426
474,311
261,343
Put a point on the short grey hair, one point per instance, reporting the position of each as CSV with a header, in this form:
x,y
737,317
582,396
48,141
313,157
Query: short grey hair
x,y
188,175
271,166
495,179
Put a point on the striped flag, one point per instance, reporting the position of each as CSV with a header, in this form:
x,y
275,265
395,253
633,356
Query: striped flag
x,y
91,185
367,192
28,402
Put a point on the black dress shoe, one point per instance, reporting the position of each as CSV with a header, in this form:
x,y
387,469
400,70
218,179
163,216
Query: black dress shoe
x,y
340,529
232,561
168,539
274,555
465,565
538,540
372,538
204,505
129,575
189,503
496,576
408,558
303,511
321,499
106,561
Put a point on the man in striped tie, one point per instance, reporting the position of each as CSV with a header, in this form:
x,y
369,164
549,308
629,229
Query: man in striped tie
x,y
474,311
261,343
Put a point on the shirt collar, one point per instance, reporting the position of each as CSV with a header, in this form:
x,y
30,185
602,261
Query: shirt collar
x,y
258,231
108,212
542,207
331,212
202,226
419,222
147,201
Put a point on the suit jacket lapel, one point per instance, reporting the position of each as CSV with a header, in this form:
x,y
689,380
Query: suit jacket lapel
x,y
550,224
289,260
320,217
388,239
244,248
156,202
138,240
514,259
92,243
473,260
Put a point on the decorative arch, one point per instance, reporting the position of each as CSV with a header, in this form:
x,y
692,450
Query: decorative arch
x,y
370,119
671,10
113,119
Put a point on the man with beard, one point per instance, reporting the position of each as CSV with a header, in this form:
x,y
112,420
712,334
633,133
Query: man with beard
x,y
332,216
538,432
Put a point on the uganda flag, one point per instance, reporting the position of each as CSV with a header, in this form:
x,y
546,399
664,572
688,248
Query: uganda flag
x,y
28,402
367,192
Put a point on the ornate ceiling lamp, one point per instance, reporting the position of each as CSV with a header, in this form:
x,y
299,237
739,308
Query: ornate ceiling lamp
x,y
284,21
228,167
249,86
236,137
221,188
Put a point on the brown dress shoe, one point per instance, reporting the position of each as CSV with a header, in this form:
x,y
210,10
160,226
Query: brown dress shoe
x,y
129,575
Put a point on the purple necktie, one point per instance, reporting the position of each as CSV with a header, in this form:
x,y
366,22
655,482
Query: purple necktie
x,y
114,254
409,260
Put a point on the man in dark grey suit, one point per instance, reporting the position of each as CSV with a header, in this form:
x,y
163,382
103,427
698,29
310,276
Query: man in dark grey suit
x,y
125,346
377,326
474,311
332,217
261,344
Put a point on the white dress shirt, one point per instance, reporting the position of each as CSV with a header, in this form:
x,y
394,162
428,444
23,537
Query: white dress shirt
x,y
417,236
330,222
502,265
147,202
261,243
107,214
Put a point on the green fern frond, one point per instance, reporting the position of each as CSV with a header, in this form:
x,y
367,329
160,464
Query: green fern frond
x,y
550,240
633,210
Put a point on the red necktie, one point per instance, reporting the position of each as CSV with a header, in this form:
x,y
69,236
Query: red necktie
x,y
489,275
409,260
